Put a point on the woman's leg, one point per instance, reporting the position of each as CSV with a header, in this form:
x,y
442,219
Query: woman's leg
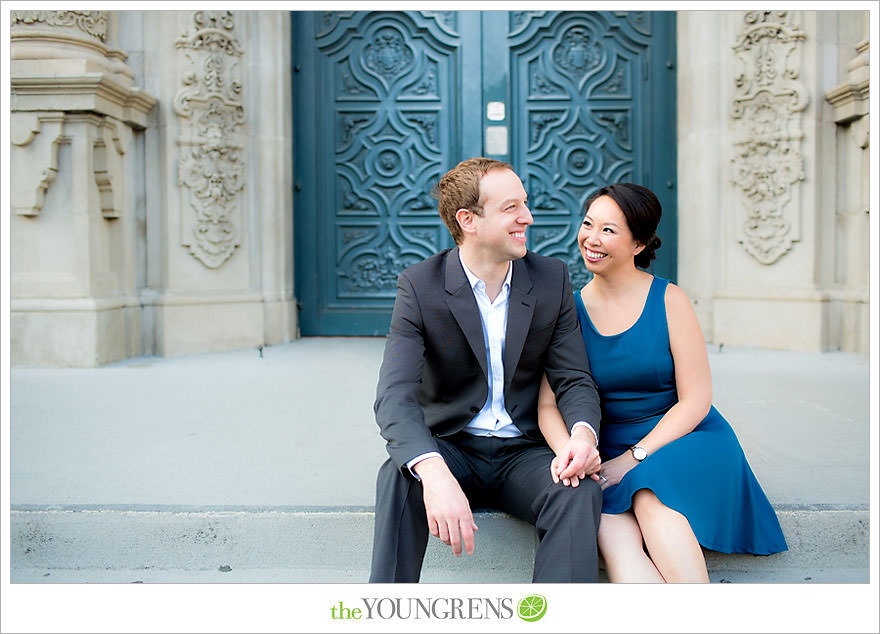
x,y
670,540
620,542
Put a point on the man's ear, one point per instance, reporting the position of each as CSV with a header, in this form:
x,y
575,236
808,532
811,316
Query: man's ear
x,y
465,219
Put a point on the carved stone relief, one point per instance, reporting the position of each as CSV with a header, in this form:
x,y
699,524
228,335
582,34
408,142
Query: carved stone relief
x,y
106,147
36,139
211,166
767,161
93,23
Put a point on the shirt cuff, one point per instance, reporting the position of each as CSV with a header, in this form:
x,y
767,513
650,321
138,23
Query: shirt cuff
x,y
424,456
583,423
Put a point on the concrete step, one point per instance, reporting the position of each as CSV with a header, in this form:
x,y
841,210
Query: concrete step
x,y
827,544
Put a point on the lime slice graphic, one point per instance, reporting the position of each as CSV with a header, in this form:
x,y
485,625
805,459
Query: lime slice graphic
x,y
532,608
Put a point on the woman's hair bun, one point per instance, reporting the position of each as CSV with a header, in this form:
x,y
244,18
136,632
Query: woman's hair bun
x,y
643,259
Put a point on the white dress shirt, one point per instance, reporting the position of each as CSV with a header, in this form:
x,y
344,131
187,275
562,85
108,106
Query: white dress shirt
x,y
492,419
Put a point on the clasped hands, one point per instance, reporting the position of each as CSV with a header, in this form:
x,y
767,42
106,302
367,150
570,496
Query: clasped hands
x,y
565,466
577,459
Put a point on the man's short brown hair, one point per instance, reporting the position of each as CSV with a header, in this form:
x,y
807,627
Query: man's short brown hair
x,y
460,189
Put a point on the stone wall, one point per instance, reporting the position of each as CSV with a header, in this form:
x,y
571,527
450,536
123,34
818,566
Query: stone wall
x,y
772,223
151,187
75,129
219,198
155,220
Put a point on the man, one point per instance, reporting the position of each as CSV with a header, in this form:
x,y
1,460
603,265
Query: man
x,y
473,330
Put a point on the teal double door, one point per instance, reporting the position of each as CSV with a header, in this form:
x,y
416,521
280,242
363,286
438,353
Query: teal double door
x,y
386,102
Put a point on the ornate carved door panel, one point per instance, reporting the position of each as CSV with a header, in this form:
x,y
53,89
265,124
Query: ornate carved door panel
x,y
386,102
585,88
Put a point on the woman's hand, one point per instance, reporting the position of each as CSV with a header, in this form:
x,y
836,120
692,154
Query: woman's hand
x,y
612,471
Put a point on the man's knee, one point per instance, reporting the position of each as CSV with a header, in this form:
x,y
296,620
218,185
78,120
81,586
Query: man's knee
x,y
586,498
588,491
390,478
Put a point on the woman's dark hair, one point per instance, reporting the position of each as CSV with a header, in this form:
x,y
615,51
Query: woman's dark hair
x,y
642,211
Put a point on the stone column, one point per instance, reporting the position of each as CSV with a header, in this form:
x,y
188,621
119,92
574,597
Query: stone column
x,y
849,287
75,119
702,135
219,208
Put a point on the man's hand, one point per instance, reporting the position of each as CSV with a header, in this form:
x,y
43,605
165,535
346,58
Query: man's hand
x,y
578,459
447,507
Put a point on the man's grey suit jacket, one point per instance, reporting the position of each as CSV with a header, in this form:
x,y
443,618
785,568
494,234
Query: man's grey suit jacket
x,y
433,378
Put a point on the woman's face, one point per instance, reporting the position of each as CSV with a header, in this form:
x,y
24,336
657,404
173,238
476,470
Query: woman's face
x,y
604,238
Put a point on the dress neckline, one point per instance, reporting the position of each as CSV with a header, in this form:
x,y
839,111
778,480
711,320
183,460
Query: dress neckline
x,y
635,323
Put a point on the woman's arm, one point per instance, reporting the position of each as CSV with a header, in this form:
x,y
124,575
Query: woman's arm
x,y
576,454
550,420
693,378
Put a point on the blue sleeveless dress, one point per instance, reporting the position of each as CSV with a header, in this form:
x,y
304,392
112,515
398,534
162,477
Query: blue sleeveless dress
x,y
704,475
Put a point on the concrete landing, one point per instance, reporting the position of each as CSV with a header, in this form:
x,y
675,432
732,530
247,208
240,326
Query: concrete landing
x,y
264,462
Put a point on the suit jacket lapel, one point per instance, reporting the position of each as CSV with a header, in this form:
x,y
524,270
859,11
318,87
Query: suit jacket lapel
x,y
520,308
463,306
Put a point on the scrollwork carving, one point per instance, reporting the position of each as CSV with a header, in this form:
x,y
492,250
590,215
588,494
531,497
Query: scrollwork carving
x,y
618,122
350,85
540,85
767,161
577,272
215,175
106,169
375,272
211,166
540,121
617,82
520,20
391,100
428,124
447,20
427,85
35,167
93,23
350,123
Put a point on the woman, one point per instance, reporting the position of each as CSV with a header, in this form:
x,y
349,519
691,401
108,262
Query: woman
x,y
673,473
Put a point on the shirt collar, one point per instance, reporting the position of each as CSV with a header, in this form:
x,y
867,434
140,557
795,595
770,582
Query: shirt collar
x,y
473,280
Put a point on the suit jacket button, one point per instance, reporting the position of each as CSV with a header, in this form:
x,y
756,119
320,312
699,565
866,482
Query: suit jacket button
x,y
475,410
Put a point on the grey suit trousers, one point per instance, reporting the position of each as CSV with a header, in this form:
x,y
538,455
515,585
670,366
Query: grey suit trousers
x,y
508,474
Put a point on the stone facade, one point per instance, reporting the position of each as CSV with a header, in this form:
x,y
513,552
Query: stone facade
x,y
74,131
773,177
153,220
151,193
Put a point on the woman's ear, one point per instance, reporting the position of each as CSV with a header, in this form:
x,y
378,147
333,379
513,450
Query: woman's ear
x,y
465,219
638,248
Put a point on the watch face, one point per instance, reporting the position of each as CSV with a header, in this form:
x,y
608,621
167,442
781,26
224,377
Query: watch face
x,y
639,453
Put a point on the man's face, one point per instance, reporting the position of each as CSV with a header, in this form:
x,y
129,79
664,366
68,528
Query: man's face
x,y
501,230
